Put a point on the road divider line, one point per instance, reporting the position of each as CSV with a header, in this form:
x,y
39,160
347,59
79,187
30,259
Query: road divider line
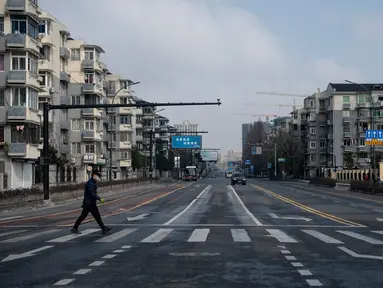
x,y
255,220
12,232
30,236
11,218
309,209
189,206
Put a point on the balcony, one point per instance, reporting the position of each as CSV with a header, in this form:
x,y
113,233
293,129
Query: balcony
x,y
126,110
91,135
22,78
64,124
125,163
64,100
23,150
164,138
101,161
111,92
346,134
138,125
91,112
125,145
89,158
64,52
64,77
20,113
125,127
322,109
92,88
24,6
64,148
93,65
22,41
346,105
46,39
139,138
348,149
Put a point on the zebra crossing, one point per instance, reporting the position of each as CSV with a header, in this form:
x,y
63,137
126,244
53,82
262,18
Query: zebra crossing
x,y
197,235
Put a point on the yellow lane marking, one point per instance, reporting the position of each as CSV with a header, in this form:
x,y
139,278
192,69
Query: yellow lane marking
x,y
309,209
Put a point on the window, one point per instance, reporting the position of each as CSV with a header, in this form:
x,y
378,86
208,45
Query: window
x,y
32,65
124,137
313,158
363,98
19,96
361,142
18,63
347,142
89,148
89,125
124,155
346,99
138,119
124,100
33,29
323,158
346,127
75,124
76,100
76,148
346,113
89,78
321,103
33,98
313,131
322,144
313,144
89,55
2,97
19,24
1,62
44,27
1,134
29,134
74,54
2,25
295,116
114,137
125,120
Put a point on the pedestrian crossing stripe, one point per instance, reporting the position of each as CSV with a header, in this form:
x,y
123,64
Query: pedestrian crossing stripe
x,y
200,235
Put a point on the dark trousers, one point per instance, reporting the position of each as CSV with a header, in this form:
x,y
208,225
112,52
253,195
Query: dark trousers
x,y
86,209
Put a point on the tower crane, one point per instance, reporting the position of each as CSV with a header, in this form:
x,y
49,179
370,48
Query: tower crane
x,y
267,116
283,94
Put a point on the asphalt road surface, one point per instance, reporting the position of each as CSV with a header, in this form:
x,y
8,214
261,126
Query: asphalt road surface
x,y
202,234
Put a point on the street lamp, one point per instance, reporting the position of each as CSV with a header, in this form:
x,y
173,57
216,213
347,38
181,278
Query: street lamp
x,y
126,85
372,120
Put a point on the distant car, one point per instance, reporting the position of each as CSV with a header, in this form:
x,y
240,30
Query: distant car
x,y
238,178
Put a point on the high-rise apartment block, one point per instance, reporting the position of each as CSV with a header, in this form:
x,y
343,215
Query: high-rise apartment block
x,y
40,62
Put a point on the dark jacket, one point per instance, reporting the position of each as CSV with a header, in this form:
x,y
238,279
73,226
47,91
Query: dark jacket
x,y
90,193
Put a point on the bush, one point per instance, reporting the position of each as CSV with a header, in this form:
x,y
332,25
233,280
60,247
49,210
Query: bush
x,y
22,192
366,187
328,182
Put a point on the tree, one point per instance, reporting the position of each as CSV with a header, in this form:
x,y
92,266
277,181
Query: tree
x,y
348,160
136,159
162,163
55,159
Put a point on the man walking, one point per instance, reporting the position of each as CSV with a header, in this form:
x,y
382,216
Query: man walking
x,y
89,204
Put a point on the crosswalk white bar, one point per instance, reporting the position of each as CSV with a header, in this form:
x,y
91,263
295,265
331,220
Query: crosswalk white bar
x,y
69,237
157,236
116,236
199,235
240,235
378,232
322,237
281,236
362,237
12,232
30,236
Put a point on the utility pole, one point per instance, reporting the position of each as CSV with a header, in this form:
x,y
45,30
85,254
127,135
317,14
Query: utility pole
x,y
47,107
151,154
275,159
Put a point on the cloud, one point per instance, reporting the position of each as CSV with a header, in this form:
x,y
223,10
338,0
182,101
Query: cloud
x,y
197,50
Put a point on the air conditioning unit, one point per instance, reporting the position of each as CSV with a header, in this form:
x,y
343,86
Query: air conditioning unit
x,y
51,90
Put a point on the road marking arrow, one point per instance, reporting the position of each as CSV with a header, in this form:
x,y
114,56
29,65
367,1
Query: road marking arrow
x,y
275,216
138,217
12,257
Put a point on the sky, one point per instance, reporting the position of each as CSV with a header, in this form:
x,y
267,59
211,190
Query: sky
x,y
201,50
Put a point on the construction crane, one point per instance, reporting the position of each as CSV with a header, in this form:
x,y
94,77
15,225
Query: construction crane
x,y
267,116
283,94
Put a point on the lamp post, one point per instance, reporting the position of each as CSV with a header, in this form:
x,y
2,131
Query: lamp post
x,y
126,85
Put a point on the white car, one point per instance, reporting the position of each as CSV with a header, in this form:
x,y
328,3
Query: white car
x,y
229,174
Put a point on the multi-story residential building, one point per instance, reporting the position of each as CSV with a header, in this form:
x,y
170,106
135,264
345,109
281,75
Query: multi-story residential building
x,y
20,119
126,125
87,133
53,70
162,142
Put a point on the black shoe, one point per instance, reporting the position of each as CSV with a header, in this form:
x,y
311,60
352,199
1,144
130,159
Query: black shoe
x,y
106,230
75,231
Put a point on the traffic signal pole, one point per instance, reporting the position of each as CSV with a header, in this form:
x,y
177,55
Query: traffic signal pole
x,y
47,107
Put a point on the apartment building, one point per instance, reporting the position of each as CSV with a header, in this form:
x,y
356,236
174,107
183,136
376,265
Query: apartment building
x,y
53,70
87,135
162,142
126,125
20,119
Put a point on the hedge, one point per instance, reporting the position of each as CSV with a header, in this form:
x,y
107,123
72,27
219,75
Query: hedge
x,y
19,192
328,182
366,187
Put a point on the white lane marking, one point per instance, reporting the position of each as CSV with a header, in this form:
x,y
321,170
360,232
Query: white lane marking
x,y
116,236
12,232
96,263
337,201
379,219
199,235
378,232
290,258
356,255
118,251
64,282
304,272
30,253
255,220
323,197
29,236
281,236
297,264
189,206
240,235
314,283
10,218
361,237
109,256
273,215
82,271
157,236
285,252
66,238
282,247
379,211
322,237
126,247
354,205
